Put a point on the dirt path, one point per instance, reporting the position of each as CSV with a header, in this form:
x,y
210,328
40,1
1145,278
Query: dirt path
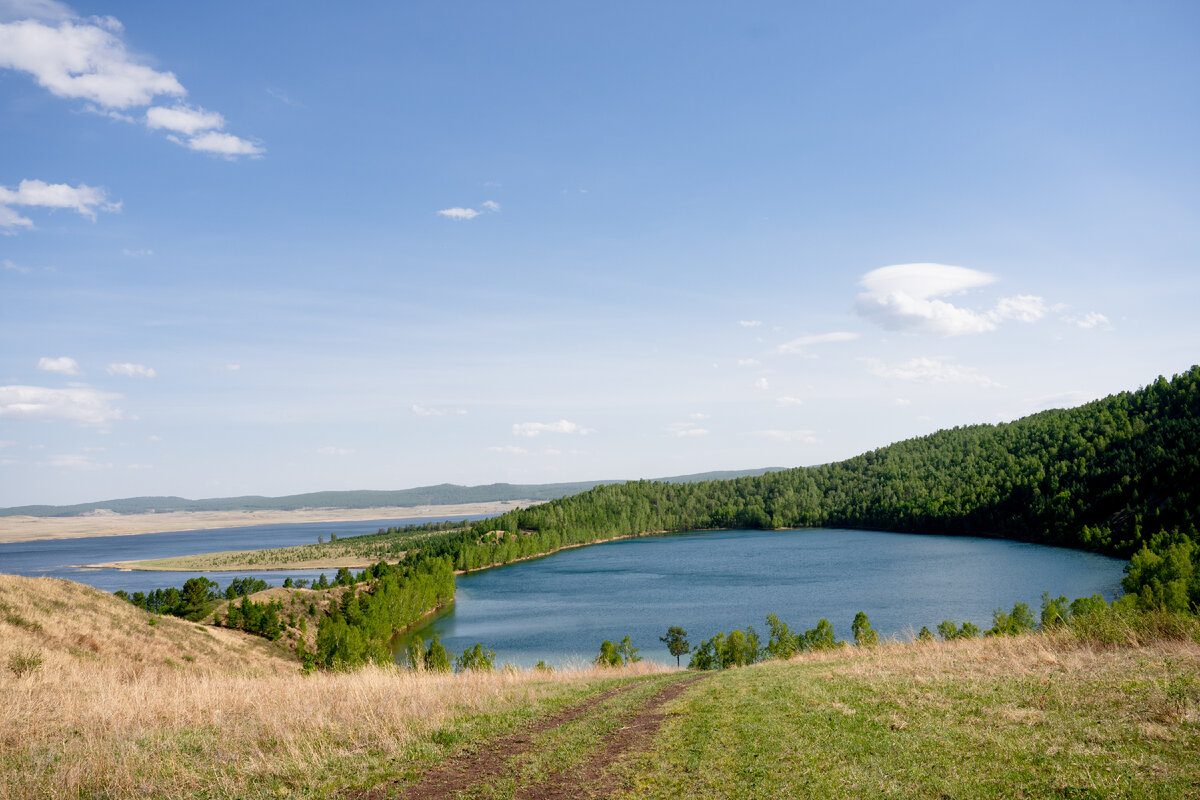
x,y
590,779
594,777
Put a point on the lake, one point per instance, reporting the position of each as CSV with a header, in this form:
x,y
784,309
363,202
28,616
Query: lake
x,y
560,607
59,558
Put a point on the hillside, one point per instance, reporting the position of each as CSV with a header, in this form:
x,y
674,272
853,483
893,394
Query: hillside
x,y
1112,476
439,495
100,702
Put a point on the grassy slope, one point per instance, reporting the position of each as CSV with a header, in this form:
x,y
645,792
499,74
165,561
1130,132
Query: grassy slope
x,y
1026,716
121,708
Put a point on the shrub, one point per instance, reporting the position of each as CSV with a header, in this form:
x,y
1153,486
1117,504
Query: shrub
x,y
23,664
476,659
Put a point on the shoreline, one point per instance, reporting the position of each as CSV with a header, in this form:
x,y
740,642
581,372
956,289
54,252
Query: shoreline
x,y
29,529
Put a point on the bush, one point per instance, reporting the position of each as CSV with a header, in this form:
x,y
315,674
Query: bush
x,y
864,634
23,664
476,659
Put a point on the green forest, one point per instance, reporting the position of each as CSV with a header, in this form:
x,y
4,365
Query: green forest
x,y
1118,476
1112,476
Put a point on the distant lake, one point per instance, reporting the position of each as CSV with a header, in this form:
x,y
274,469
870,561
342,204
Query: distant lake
x,y
559,608
58,558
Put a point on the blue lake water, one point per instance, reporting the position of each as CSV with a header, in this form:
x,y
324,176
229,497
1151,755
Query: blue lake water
x,y
60,558
559,608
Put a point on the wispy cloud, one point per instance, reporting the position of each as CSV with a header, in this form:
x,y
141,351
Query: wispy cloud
x,y
803,436
538,428
788,402
905,297
83,199
334,451
82,406
463,214
131,370
63,365
421,411
930,370
685,430
75,461
748,362
86,59
801,345
749,323
12,267
1090,320
762,383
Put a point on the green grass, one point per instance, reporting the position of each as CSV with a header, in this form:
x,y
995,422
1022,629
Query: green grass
x,y
980,725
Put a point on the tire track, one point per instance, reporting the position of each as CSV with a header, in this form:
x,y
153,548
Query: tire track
x,y
488,761
495,757
595,778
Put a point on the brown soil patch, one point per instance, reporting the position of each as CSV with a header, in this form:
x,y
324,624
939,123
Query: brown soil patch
x,y
591,779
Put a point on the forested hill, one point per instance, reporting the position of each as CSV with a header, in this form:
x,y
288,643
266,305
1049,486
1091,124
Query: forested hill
x,y
442,494
1107,476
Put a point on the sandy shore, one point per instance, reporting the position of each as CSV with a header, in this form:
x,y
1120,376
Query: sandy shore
x,y
24,529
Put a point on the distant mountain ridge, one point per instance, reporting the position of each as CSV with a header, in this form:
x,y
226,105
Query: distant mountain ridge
x,y
439,495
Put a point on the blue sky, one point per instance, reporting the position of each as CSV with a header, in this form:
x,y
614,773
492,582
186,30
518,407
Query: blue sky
x,y
270,248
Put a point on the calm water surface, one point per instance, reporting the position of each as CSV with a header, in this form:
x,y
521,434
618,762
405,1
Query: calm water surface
x,y
60,558
559,608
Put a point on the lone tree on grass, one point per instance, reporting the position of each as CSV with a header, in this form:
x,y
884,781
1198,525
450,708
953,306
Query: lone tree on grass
x,y
676,642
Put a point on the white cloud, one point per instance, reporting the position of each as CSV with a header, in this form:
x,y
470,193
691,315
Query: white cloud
x,y
9,265
806,437
538,428
79,405
511,449
748,362
231,367
459,213
421,411
132,370
902,401
685,430
787,402
222,144
86,59
1022,307
462,214
698,415
64,365
75,461
903,297
930,370
334,451
86,200
1090,320
762,383
749,323
800,345
183,119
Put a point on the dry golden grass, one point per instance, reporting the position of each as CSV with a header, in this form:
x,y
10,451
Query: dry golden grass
x,y
119,708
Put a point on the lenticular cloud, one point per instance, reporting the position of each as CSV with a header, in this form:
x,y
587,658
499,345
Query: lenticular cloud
x,y
908,297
